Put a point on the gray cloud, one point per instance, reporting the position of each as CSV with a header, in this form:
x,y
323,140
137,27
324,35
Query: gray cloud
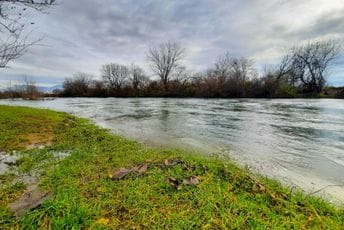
x,y
81,35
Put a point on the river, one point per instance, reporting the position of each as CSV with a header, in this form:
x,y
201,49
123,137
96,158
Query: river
x,y
299,142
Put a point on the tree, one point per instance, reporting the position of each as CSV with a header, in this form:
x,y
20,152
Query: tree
x,y
241,68
305,66
78,86
14,40
283,69
6,5
30,90
13,47
98,89
137,76
229,76
227,66
25,89
115,75
164,60
12,17
311,61
223,65
182,75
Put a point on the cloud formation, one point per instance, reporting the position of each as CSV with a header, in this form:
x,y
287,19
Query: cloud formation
x,y
81,35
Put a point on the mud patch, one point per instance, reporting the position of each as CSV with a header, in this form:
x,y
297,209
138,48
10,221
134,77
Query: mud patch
x,y
34,140
32,198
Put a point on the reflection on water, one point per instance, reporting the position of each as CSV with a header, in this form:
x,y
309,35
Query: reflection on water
x,y
296,141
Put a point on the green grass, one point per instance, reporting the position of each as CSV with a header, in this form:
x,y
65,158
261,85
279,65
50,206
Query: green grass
x,y
20,127
86,197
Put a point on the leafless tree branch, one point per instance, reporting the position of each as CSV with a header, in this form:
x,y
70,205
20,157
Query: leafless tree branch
x,y
165,59
14,42
115,75
13,47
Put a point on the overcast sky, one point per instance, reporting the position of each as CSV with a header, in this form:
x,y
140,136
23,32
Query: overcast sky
x,y
81,35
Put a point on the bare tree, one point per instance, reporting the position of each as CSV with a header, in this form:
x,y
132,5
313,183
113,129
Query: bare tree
x,y
12,11
30,90
26,89
308,64
182,75
283,68
14,40
137,76
13,47
165,59
115,75
6,5
222,68
227,66
79,85
241,68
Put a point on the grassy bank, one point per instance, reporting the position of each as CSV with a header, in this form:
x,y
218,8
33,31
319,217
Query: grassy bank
x,y
164,188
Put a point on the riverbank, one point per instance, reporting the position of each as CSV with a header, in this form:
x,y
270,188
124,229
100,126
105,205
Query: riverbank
x,y
91,178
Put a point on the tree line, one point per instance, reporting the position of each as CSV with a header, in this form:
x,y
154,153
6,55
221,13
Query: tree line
x,y
301,72
27,89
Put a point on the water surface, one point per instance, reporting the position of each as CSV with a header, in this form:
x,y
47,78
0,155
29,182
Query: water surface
x,y
300,142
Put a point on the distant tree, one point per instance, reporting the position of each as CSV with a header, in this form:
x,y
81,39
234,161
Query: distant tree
x,y
284,70
77,86
14,41
241,68
25,89
227,66
306,66
208,84
222,68
115,75
229,76
137,76
30,90
182,75
164,60
98,89
311,61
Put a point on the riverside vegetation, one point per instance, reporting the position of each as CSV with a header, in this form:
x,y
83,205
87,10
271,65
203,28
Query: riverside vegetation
x,y
302,73
108,182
